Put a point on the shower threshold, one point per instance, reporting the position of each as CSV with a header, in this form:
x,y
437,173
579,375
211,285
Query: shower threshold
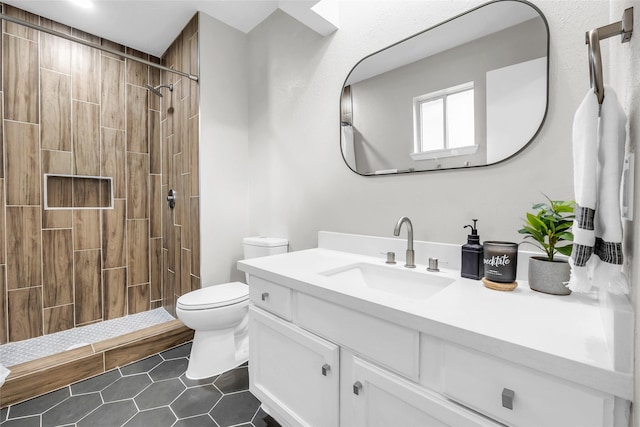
x,y
132,338
24,351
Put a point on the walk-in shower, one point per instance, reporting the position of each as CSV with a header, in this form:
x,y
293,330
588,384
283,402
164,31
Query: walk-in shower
x,y
156,89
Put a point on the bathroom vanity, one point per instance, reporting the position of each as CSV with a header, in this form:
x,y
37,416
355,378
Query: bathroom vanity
x,y
340,338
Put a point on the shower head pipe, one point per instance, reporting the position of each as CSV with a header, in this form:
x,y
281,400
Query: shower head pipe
x,y
156,89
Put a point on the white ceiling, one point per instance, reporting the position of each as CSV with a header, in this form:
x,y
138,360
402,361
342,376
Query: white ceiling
x,y
151,26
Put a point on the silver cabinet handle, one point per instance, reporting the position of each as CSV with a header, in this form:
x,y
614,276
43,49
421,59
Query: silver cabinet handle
x,y
507,398
325,369
264,296
357,386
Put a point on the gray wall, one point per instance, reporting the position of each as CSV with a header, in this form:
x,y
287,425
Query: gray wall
x,y
383,105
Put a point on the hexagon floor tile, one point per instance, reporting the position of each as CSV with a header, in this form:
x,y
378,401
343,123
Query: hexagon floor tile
x,y
151,392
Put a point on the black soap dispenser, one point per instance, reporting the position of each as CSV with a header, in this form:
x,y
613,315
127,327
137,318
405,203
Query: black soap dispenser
x,y
472,255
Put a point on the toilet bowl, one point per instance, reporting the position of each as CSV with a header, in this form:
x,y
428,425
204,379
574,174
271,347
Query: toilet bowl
x,y
219,314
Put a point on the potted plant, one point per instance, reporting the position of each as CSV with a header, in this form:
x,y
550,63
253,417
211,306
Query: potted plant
x,y
550,227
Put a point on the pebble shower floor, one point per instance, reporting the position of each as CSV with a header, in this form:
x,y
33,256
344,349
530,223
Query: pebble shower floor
x,y
151,392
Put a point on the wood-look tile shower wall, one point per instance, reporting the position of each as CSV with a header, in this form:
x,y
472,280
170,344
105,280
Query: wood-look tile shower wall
x,y
180,127
71,109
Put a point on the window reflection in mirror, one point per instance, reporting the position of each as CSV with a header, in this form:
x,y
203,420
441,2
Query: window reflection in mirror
x,y
469,92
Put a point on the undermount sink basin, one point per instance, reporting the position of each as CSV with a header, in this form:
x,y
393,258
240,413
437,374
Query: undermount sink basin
x,y
407,283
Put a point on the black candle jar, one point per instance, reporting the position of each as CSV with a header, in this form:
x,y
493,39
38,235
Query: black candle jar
x,y
500,261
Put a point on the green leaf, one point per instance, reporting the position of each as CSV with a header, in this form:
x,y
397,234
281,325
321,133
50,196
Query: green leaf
x,y
536,222
565,250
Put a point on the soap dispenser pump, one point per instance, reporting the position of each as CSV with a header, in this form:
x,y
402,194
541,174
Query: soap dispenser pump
x,y
472,255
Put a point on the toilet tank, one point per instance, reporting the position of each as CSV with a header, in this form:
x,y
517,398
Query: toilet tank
x,y
255,247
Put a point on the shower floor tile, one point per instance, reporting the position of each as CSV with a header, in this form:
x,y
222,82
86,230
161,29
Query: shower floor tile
x,y
151,392
35,348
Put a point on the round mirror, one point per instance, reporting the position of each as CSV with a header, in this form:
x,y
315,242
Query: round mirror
x,y
471,91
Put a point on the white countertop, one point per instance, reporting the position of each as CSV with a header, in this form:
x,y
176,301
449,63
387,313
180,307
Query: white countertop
x,y
559,335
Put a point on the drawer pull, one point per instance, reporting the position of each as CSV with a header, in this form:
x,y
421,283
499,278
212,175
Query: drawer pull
x,y
507,398
325,369
264,296
357,386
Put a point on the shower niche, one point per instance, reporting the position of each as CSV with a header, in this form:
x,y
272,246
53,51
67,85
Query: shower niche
x,y
77,192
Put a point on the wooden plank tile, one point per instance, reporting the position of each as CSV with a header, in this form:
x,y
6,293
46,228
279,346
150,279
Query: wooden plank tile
x,y
88,286
86,229
20,30
44,381
166,220
2,226
185,205
169,298
115,292
138,251
86,193
156,269
55,52
137,186
194,101
59,192
113,93
185,271
114,250
3,306
195,283
55,129
85,72
56,162
166,156
155,148
24,243
131,352
2,144
24,311
154,80
137,114
114,46
195,236
138,298
158,204
23,163
20,58
27,368
113,160
57,268
194,153
137,336
137,73
86,138
58,318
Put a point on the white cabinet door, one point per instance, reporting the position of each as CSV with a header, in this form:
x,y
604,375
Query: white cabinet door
x,y
379,398
294,373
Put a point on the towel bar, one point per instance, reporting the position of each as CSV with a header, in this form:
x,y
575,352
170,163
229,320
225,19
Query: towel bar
x,y
593,37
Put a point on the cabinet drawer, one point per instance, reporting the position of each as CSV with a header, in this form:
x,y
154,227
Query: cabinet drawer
x,y
482,382
391,345
271,297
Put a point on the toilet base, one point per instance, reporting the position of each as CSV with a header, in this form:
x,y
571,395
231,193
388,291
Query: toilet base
x,y
217,351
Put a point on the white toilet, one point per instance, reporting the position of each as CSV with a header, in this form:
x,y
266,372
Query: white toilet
x,y
219,316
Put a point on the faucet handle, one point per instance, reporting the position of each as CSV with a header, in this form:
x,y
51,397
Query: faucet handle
x,y
391,257
433,265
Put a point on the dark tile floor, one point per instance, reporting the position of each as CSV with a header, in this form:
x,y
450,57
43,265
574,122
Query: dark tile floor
x,y
151,392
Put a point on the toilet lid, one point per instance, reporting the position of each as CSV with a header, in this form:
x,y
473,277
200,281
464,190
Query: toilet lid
x,y
214,296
